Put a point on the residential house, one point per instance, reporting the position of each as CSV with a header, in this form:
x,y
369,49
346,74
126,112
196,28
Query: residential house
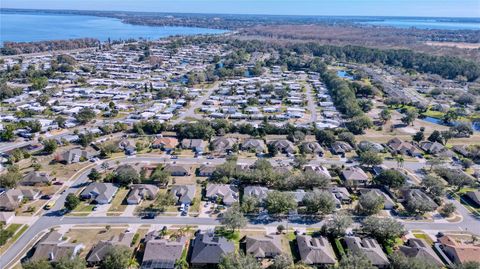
x,y
36,178
311,148
162,253
436,149
341,196
99,192
184,193
419,195
315,250
165,143
474,196
254,145
368,247
206,170
208,249
74,156
459,252
318,169
100,250
388,203
228,193
341,147
368,145
196,145
283,146
223,144
177,170
12,198
6,217
355,176
258,192
420,249
52,248
261,247
401,147
139,192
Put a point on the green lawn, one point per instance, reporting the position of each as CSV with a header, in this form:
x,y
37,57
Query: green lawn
x,y
15,236
84,207
424,237
434,114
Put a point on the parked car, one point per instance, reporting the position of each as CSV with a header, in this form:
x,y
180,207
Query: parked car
x,y
58,183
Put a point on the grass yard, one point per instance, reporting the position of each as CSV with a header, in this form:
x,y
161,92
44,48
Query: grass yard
x,y
18,232
83,207
118,202
424,237
90,236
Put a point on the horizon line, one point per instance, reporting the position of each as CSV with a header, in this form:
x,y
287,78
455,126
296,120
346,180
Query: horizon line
x,y
235,14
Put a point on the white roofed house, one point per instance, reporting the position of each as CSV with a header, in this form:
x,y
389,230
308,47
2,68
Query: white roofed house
x,y
355,176
99,192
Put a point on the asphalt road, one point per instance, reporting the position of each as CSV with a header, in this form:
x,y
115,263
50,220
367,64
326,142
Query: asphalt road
x,y
469,223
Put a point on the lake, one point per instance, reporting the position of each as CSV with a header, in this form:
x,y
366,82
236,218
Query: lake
x,y
37,26
425,24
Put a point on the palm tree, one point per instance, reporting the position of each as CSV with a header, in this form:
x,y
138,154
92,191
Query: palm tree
x,y
133,263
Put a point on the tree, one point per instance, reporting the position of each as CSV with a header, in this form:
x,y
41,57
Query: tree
x,y
385,230
282,261
400,261
126,175
85,115
347,137
250,204
39,83
236,260
448,209
71,201
355,261
433,186
418,136
117,257
279,202
358,124
370,204
10,179
160,176
435,136
233,218
385,115
370,158
467,265
390,178
410,116
49,146
43,99
86,139
325,137
339,223
67,263
37,264
60,121
447,135
94,175
435,161
450,116
319,202
419,206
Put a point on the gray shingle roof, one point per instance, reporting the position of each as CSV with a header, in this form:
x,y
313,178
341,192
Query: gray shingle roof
x,y
209,249
315,250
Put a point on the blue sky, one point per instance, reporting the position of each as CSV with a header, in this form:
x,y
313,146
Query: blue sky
x,y
429,8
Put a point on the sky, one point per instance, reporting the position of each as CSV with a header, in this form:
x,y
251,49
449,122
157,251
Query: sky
x,y
426,8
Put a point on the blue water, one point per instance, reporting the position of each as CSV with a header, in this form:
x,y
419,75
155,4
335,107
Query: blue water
x,y
26,27
475,125
344,74
425,24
